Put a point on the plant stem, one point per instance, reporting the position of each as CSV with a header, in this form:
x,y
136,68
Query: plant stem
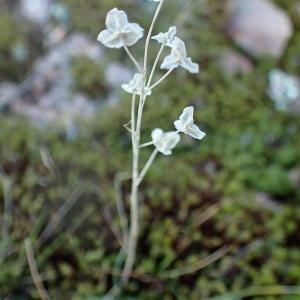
x,y
147,166
161,79
150,33
136,133
155,65
133,119
134,214
146,144
140,69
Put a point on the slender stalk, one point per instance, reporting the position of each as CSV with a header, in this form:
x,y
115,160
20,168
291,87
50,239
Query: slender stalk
x,y
195,267
136,129
155,65
134,214
150,33
140,69
7,216
147,166
120,205
133,119
146,144
34,271
161,79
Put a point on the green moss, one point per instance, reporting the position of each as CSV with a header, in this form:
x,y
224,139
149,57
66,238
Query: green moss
x,y
88,77
15,34
249,148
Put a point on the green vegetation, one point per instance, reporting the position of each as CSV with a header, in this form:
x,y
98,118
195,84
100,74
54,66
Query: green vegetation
x,y
250,147
14,35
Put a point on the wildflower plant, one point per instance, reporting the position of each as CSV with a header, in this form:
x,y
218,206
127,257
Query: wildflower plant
x,y
120,33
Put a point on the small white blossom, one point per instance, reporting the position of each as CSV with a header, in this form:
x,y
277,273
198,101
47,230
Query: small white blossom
x,y
154,0
166,38
178,57
135,86
165,142
283,89
119,31
186,124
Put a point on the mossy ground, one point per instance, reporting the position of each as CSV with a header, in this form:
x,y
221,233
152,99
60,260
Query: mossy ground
x,y
250,147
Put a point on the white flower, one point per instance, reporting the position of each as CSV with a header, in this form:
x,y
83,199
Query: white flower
x,y
186,124
165,141
155,0
167,37
178,57
283,89
119,31
135,86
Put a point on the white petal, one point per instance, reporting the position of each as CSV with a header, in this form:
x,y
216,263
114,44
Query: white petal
x,y
186,119
159,38
110,39
157,134
167,37
178,48
195,132
132,34
172,139
171,35
179,125
187,116
116,20
165,142
170,62
189,65
135,85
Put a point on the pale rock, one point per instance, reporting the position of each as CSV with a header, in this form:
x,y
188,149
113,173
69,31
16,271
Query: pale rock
x,y
258,26
233,63
116,74
36,11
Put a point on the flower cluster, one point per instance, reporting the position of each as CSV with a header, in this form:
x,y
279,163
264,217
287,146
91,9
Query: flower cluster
x,y
121,33
165,142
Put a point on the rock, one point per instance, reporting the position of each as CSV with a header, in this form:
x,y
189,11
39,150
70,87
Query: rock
x,y
233,63
265,201
294,176
117,74
258,26
65,113
46,95
36,11
9,92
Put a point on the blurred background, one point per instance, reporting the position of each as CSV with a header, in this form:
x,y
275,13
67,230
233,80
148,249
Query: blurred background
x,y
62,143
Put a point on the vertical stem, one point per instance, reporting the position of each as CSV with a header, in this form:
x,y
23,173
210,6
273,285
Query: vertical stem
x,y
134,213
150,33
134,209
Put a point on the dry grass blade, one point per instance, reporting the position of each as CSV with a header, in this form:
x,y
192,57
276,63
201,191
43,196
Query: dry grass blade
x,y
206,215
34,271
192,268
60,214
7,215
274,290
